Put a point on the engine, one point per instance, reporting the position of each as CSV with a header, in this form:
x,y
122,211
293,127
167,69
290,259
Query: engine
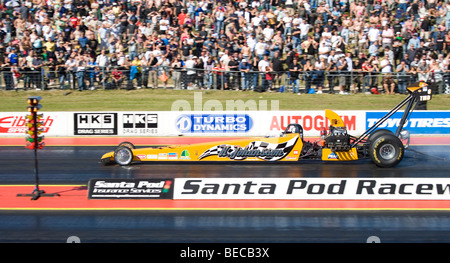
x,y
337,139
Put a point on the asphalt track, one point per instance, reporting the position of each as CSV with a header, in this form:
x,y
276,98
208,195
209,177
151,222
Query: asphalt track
x,y
75,165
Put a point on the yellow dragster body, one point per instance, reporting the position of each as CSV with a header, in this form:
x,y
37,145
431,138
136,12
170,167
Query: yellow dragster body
x,y
289,146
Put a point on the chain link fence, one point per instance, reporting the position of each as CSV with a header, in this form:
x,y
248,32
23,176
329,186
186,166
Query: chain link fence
x,y
192,79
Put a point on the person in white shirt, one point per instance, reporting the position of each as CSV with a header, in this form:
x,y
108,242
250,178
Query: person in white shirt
x,y
260,48
387,36
373,34
304,29
102,60
386,69
287,21
323,50
264,65
268,33
189,65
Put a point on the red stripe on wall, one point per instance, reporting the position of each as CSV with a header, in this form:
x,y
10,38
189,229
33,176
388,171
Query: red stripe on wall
x,y
76,198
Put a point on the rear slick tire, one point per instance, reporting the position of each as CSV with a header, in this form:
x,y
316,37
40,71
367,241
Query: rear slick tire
x,y
378,133
386,150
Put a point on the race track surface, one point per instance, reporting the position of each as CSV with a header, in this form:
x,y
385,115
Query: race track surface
x,y
75,165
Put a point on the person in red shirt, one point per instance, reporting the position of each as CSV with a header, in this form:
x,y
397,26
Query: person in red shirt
x,y
117,77
370,70
182,17
74,21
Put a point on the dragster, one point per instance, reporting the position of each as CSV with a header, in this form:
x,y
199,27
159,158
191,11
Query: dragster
x,y
384,147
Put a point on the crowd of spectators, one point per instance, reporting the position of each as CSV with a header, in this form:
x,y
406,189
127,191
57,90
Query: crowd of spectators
x,y
225,44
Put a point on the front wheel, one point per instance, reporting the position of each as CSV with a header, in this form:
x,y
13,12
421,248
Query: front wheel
x,y
127,144
123,155
386,150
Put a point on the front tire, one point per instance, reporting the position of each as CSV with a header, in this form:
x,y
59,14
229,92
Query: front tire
x,y
123,155
127,144
386,150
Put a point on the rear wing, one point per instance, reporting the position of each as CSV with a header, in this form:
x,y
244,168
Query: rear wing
x,y
418,92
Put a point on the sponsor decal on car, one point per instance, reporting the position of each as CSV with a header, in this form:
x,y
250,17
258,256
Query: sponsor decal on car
x,y
333,156
152,156
262,150
185,155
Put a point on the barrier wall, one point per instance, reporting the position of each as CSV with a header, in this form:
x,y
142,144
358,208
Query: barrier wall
x,y
213,123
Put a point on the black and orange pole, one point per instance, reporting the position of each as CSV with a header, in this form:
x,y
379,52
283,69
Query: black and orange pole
x,y
35,141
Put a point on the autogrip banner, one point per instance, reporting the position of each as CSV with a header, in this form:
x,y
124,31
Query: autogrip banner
x,y
313,188
420,122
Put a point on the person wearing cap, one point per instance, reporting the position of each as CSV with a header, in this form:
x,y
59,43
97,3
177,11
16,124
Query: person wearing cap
x,y
414,41
244,68
265,68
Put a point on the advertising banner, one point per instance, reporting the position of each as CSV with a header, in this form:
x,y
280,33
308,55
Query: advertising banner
x,y
420,122
13,124
130,189
95,123
312,121
214,123
313,188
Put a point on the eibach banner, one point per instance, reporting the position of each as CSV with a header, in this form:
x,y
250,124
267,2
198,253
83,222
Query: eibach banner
x,y
13,124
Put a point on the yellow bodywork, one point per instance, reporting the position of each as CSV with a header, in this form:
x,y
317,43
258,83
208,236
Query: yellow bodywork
x,y
284,148
253,149
334,118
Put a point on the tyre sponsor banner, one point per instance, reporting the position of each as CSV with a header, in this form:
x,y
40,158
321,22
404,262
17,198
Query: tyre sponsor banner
x,y
130,189
420,122
313,188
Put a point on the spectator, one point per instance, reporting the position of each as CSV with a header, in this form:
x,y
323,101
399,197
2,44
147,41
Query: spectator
x,y
343,73
388,80
191,74
294,70
157,32
244,68
402,76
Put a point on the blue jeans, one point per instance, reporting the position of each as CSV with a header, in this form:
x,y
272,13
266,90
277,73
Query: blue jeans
x,y
245,80
255,80
295,85
80,79
218,26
